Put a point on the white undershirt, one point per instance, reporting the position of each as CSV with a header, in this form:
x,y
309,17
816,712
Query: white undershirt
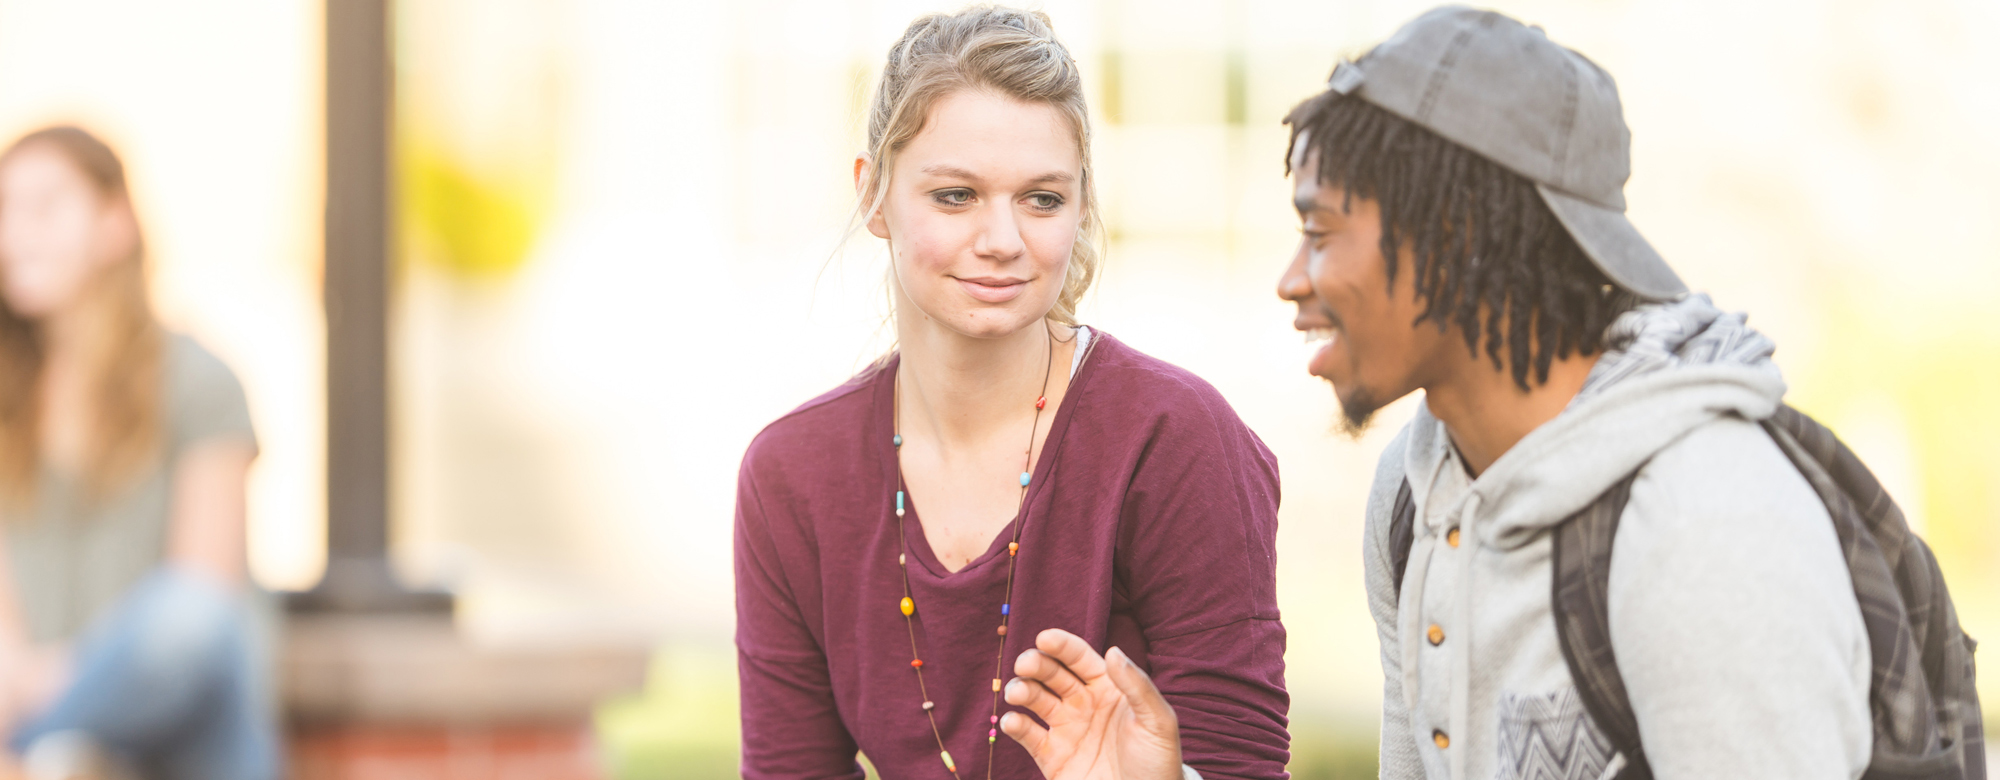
x,y
1082,347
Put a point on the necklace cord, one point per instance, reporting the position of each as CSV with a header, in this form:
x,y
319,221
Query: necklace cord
x,y
1013,556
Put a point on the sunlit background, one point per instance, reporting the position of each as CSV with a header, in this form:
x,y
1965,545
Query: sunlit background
x,y
621,253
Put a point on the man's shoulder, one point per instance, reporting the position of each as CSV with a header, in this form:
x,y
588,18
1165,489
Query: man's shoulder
x,y
1730,471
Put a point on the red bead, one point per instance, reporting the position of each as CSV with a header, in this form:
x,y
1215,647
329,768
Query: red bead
x,y
1041,402
916,663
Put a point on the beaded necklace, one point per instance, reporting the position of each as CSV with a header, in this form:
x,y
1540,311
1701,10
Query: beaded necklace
x,y
909,606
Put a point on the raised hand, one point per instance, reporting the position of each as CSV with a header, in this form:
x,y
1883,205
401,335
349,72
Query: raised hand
x,y
1106,720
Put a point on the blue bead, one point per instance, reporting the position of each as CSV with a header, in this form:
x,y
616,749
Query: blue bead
x,y
899,499
898,440
1004,608
1024,479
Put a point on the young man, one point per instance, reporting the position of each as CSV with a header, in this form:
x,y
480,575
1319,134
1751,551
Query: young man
x,y
1462,193
1461,188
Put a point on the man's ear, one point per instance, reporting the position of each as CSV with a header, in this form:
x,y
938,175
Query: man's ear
x,y
863,167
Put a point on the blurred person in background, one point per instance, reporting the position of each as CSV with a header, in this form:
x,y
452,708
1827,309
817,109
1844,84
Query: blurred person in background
x,y
1007,478
128,630
1604,547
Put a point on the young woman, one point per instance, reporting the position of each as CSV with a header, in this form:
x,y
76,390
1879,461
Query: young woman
x,y
902,538
124,631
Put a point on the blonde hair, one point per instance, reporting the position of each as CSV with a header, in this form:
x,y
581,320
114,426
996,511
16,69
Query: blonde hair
x,y
1010,52
125,364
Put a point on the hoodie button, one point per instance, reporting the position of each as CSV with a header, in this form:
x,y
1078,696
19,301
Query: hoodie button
x,y
1438,736
1451,538
1435,634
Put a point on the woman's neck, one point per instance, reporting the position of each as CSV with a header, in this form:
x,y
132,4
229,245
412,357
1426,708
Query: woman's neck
x,y
962,390
70,337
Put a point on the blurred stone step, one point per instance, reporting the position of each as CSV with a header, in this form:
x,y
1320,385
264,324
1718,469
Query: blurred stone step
x,y
418,670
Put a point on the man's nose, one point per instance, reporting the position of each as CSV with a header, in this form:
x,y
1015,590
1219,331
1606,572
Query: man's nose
x,y
1294,285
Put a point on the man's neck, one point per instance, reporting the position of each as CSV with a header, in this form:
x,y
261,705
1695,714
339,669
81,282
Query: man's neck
x,y
960,390
1486,413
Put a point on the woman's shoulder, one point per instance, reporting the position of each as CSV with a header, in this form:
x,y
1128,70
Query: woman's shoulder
x,y
203,396
817,428
1147,386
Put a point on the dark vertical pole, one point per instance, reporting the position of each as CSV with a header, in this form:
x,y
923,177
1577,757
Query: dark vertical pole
x,y
359,95
358,84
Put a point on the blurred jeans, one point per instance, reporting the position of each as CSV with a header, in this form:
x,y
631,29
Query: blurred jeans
x,y
173,684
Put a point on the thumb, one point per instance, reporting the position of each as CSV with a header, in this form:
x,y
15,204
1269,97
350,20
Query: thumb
x,y
1148,706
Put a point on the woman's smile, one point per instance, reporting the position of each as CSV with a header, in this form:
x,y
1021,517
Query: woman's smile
x,y
992,289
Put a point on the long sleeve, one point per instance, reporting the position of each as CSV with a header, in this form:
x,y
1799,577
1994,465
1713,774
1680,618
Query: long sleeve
x,y
1200,523
791,727
1398,757
1733,617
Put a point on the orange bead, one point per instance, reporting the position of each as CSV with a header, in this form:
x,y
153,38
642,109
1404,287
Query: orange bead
x,y
1003,630
1012,548
916,663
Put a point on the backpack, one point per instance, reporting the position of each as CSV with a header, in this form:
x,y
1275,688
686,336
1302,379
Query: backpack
x,y
1921,697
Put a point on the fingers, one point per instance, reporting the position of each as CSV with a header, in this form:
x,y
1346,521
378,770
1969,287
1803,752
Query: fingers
x,y
1148,706
1024,731
1038,666
1072,651
1033,696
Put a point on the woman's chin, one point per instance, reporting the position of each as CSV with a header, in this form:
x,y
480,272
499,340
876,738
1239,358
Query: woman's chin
x,y
994,324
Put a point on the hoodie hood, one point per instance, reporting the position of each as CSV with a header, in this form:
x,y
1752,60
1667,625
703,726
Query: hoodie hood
x,y
1667,369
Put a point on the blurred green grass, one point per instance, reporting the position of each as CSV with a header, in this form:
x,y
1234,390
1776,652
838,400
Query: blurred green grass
x,y
684,726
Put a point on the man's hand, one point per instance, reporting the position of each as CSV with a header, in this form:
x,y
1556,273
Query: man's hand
x,y
1106,720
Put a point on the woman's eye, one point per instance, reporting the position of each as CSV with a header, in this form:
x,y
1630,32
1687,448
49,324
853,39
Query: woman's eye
x,y
953,197
1043,201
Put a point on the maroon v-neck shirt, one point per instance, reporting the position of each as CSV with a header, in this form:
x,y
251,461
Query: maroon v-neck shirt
x,y
1151,524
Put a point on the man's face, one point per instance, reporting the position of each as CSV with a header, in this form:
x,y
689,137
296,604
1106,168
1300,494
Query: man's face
x,y
1372,349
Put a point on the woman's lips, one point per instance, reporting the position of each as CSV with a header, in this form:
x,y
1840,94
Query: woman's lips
x,y
993,290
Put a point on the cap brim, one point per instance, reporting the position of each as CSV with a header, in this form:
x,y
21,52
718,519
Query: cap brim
x,y
1615,245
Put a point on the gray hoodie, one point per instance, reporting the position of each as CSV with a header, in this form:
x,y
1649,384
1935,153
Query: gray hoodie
x,y
1732,615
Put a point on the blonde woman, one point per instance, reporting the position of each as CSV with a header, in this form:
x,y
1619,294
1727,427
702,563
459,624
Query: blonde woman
x,y
124,620
904,538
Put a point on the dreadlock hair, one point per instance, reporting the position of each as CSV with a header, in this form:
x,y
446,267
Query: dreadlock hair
x,y
1488,255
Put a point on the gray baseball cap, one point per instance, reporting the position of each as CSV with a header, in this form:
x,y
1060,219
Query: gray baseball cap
x,y
1504,90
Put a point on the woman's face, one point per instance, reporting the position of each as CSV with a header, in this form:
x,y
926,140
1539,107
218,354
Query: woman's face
x,y
57,232
982,211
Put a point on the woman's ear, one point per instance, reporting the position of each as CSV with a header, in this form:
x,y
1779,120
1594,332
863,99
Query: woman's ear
x,y
863,167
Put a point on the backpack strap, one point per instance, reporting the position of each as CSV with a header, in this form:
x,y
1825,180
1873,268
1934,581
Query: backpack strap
x,y
1402,535
1580,564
